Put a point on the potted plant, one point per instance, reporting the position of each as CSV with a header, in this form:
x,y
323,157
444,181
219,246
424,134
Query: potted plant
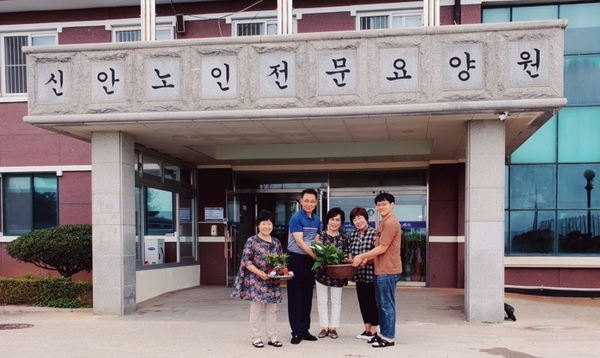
x,y
277,264
333,260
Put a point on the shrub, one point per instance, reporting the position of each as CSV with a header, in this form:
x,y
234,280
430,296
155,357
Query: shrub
x,y
66,249
52,292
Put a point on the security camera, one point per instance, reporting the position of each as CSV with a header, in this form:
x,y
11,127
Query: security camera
x,y
502,116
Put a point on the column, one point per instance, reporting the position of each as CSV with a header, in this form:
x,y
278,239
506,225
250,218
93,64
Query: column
x,y
113,223
484,222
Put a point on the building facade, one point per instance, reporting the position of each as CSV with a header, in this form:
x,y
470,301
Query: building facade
x,y
242,122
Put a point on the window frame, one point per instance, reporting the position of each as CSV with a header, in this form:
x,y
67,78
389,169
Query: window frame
x,y
264,21
161,27
31,177
390,14
3,77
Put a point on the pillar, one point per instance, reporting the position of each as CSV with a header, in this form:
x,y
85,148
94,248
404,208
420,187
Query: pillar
x,y
113,223
484,222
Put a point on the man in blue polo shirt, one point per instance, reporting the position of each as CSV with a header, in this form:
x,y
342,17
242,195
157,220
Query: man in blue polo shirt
x,y
304,229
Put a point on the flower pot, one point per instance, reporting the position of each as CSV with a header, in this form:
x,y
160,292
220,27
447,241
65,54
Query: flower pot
x,y
340,271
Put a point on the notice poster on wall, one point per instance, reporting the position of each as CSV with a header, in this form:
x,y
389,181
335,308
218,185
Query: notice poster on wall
x,y
215,214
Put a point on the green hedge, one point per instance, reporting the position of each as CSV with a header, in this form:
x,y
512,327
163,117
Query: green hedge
x,y
50,292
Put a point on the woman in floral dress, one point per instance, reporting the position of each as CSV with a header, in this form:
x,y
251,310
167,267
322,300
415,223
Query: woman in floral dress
x,y
327,286
253,284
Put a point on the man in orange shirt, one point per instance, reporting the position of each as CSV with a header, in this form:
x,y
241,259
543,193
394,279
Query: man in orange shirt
x,y
388,267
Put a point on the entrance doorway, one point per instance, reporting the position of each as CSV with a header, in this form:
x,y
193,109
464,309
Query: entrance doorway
x,y
410,209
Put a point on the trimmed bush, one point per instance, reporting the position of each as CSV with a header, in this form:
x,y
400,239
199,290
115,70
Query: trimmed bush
x,y
66,249
50,292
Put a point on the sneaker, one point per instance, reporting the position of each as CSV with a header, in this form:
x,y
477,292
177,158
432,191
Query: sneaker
x,y
373,339
296,340
309,337
365,335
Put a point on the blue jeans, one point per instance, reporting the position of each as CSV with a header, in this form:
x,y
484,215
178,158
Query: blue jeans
x,y
385,297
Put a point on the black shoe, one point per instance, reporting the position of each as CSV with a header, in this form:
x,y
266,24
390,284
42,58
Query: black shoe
x,y
296,339
309,337
375,338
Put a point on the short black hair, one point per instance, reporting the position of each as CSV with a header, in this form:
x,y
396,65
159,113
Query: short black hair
x,y
384,197
309,191
264,215
333,212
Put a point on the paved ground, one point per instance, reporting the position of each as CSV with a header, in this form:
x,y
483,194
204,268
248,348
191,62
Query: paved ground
x,y
205,322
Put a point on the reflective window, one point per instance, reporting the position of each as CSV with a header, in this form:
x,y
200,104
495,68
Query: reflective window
x,y
581,78
30,203
151,166
531,232
540,147
552,208
579,232
533,187
581,36
159,212
531,13
572,183
496,15
578,131
171,171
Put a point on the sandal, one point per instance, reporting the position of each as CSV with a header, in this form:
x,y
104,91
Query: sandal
x,y
382,343
275,343
324,333
333,334
258,344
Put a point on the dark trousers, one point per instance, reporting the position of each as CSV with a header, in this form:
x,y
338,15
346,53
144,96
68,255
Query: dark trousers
x,y
366,302
300,293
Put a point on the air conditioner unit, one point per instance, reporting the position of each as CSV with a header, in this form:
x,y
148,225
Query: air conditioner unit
x,y
155,251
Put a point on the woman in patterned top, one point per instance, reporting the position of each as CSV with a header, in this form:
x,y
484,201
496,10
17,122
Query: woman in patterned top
x,y
253,284
335,219
363,240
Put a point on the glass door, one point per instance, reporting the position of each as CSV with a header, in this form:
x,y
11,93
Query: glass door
x,y
411,210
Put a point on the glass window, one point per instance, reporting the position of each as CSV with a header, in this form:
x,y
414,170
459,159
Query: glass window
x,y
151,166
540,147
171,171
581,79
132,35
186,176
578,130
250,29
496,15
578,232
531,13
581,36
532,187
399,22
532,232
15,75
43,40
128,35
374,22
30,203
572,183
186,225
159,212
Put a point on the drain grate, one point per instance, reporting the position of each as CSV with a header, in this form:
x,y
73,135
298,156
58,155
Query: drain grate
x,y
6,326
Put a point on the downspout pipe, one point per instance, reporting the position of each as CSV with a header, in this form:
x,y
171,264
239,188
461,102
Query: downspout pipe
x,y
456,12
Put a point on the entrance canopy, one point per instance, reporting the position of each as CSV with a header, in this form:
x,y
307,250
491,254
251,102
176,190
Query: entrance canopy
x,y
392,96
